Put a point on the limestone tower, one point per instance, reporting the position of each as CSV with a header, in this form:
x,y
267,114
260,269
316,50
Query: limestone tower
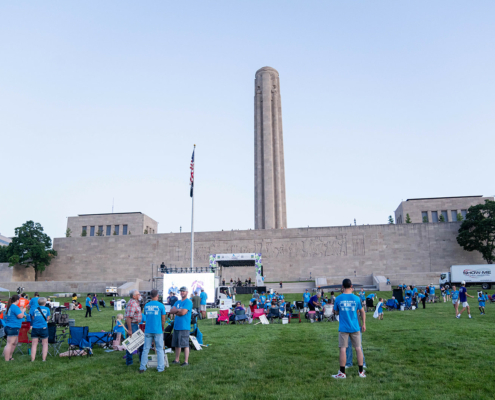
x,y
269,171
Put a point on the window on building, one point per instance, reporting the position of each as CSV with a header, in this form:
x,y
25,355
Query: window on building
x,y
117,229
124,229
464,213
424,216
109,230
91,231
434,216
445,219
100,230
84,229
453,215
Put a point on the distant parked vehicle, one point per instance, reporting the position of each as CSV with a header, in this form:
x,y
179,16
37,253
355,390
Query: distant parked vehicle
x,y
474,275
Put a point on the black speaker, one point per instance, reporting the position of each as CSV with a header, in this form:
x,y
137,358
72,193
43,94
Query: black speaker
x,y
398,295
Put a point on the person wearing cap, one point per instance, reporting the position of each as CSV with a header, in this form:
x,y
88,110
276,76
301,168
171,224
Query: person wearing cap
x,y
182,326
462,298
306,297
155,323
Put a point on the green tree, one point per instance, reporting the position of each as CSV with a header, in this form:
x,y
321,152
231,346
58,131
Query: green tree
x,y
390,220
84,232
441,218
68,232
146,231
477,231
31,247
408,219
99,232
425,219
115,233
460,218
4,255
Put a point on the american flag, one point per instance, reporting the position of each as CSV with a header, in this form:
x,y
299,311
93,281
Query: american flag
x,y
192,173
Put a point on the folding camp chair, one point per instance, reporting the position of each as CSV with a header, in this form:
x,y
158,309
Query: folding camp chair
x,y
257,313
274,314
78,337
295,315
328,313
223,317
55,341
240,317
390,305
23,338
370,305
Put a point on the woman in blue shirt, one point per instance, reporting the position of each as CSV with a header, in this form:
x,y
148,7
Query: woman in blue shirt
x,y
13,322
39,317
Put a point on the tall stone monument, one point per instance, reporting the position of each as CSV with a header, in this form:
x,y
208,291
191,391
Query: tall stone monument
x,y
269,171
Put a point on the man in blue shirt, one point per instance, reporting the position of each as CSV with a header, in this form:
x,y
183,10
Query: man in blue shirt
x,y
462,299
39,319
347,305
89,305
262,299
306,297
204,297
182,326
431,296
314,302
362,297
455,299
155,323
408,295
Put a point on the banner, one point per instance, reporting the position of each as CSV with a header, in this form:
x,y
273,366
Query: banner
x,y
212,315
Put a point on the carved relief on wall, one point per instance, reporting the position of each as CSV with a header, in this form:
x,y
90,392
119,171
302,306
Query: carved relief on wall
x,y
358,246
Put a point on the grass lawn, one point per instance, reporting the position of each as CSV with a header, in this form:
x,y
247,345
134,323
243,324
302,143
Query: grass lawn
x,y
423,354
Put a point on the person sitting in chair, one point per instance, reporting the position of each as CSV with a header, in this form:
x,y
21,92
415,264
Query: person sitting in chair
x,y
314,302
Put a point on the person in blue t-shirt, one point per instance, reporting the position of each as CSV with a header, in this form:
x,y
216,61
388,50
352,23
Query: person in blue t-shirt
x,y
306,297
431,295
39,318
314,302
408,294
346,306
481,303
455,299
262,299
463,299
182,326
204,297
33,303
155,323
13,321
281,297
89,305
362,297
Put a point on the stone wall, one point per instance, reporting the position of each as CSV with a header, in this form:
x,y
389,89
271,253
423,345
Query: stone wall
x,y
288,254
15,274
61,286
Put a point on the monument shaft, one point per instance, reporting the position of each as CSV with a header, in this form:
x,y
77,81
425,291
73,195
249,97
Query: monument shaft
x,y
269,183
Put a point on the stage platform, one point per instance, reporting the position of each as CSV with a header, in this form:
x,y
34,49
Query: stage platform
x,y
249,289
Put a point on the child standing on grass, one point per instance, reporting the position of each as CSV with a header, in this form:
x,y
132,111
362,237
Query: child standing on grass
x,y
379,309
481,303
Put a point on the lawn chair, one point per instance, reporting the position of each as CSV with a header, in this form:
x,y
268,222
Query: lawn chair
x,y
274,314
240,317
23,338
257,313
328,314
295,315
390,305
78,337
223,317
3,338
55,341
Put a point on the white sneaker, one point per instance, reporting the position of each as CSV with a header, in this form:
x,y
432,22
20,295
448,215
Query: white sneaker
x,y
340,375
458,316
348,366
362,375
470,316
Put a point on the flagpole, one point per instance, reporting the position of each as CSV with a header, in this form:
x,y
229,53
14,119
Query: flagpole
x,y
192,217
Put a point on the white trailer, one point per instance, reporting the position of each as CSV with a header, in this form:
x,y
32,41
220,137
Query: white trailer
x,y
474,275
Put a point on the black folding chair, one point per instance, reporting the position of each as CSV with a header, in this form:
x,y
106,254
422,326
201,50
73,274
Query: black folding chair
x,y
274,314
55,341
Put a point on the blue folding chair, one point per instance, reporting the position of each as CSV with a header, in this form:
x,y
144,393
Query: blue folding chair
x,y
78,337
241,317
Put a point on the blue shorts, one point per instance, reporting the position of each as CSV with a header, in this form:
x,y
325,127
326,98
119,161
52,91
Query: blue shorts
x,y
39,333
12,331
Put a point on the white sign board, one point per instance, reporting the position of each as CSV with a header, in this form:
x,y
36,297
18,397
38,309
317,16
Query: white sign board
x,y
134,342
231,257
212,315
117,305
264,320
225,304
194,341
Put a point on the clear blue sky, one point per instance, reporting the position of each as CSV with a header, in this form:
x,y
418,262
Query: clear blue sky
x,y
381,101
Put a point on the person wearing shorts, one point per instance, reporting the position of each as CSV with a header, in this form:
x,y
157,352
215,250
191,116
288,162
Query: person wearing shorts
x,y
13,321
346,306
455,299
431,295
182,326
204,297
463,299
39,318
